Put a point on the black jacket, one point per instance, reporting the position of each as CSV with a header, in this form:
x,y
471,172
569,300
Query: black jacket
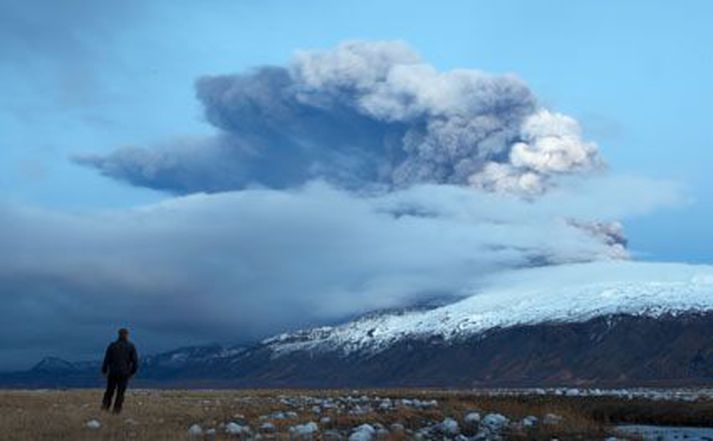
x,y
120,359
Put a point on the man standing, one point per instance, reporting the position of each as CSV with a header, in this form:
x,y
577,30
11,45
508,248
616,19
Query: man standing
x,y
120,364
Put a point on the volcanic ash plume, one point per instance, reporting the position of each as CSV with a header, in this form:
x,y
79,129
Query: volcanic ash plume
x,y
364,115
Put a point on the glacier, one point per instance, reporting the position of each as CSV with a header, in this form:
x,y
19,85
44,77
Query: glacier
x,y
563,293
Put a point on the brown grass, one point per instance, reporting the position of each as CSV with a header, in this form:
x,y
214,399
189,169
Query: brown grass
x,y
158,415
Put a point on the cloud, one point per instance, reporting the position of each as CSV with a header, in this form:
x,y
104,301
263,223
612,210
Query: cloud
x,y
239,265
363,115
350,180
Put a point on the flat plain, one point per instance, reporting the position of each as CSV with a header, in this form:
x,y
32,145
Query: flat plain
x,y
391,414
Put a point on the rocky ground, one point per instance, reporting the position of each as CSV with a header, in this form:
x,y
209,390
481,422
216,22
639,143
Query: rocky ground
x,y
343,415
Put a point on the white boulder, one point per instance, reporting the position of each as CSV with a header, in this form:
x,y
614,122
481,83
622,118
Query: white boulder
x,y
304,431
93,425
529,421
449,427
268,427
365,432
195,430
494,422
472,419
237,429
552,419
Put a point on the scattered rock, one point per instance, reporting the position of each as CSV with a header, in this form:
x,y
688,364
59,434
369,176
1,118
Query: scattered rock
x,y
386,404
472,419
360,410
93,425
238,416
397,428
280,416
494,422
529,421
382,433
449,427
237,429
365,432
486,436
195,430
304,431
332,435
552,419
424,433
268,428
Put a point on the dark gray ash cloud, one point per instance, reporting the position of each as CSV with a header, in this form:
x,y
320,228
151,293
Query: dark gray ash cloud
x,y
365,114
348,181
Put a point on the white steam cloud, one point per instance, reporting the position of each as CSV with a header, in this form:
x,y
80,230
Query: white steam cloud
x,y
239,265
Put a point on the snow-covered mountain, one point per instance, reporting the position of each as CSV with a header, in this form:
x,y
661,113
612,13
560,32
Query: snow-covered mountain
x,y
566,293
603,323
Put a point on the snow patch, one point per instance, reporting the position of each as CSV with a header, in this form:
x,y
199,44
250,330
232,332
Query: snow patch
x,y
564,293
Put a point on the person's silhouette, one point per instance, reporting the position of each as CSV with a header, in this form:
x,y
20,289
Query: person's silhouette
x,y
120,364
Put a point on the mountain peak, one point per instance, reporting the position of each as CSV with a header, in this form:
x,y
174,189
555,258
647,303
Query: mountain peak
x,y
53,364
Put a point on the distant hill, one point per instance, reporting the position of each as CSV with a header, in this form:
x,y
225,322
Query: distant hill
x,y
605,324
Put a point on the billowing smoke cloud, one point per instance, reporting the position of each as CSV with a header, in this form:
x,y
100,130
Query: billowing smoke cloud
x,y
238,265
363,115
348,181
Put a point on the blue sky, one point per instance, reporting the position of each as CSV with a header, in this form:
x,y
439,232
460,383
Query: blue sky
x,y
82,77
635,74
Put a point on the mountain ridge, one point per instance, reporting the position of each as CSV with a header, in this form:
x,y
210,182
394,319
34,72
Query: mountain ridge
x,y
567,293
617,323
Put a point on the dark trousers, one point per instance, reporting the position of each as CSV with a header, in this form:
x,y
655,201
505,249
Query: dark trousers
x,y
116,383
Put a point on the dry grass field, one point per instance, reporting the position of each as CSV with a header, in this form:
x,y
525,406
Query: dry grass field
x,y
167,414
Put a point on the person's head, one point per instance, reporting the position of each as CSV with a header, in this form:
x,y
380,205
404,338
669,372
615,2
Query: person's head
x,y
123,334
